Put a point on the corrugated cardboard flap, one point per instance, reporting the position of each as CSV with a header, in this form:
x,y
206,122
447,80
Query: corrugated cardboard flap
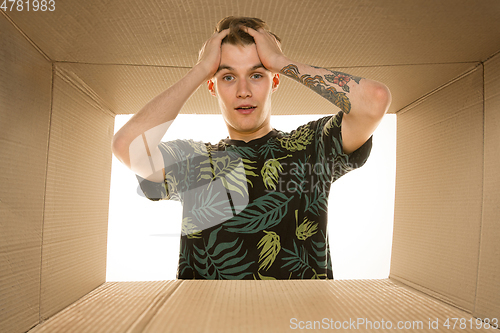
x,y
255,306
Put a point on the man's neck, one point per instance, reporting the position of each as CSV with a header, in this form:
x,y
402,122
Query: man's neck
x,y
249,136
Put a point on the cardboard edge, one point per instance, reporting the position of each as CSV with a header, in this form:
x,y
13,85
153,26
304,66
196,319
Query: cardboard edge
x,y
98,289
420,100
25,36
452,301
491,57
479,300
77,83
150,312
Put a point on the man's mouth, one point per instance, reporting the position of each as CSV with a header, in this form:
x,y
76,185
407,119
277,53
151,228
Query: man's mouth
x,y
247,109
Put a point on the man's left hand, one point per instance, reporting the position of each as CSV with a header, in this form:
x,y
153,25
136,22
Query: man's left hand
x,y
268,48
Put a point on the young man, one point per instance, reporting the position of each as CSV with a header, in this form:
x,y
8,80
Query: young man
x,y
255,204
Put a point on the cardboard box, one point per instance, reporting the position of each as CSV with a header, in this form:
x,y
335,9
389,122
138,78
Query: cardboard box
x,y
259,306
66,73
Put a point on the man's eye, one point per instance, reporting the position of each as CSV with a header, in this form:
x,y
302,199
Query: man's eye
x,y
226,77
257,75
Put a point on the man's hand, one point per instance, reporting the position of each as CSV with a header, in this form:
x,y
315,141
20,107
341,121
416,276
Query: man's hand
x,y
268,48
209,56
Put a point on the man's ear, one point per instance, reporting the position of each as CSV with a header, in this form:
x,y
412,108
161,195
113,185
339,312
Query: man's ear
x,y
276,82
211,87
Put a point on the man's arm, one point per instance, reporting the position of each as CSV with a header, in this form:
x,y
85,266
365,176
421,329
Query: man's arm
x,y
363,101
136,143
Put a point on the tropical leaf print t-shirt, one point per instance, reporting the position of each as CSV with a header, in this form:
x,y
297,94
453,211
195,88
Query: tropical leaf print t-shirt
x,y
257,209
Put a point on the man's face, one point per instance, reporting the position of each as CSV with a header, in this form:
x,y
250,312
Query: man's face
x,y
243,87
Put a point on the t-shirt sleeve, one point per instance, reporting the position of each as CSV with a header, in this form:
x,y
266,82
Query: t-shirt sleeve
x,y
328,139
152,190
176,157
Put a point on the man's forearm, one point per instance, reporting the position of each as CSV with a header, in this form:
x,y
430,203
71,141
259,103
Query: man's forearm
x,y
332,85
363,101
350,93
153,120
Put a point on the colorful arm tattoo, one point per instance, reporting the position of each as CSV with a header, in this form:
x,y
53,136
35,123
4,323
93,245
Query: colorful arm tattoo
x,y
319,85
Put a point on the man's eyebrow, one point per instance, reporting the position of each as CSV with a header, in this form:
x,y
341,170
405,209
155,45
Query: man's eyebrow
x,y
221,67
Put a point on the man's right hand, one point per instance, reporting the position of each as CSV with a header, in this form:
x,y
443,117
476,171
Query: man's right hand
x,y
209,56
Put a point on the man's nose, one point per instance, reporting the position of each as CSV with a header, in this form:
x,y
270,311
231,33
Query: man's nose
x,y
243,89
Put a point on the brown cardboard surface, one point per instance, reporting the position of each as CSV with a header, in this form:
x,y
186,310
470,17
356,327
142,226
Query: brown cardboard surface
x,y
438,204
255,306
126,89
129,55
25,98
336,34
77,195
488,284
112,307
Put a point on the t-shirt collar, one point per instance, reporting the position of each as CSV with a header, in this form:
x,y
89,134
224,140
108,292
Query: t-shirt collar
x,y
258,141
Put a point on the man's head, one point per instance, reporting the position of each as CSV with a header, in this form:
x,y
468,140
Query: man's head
x,y
237,36
242,85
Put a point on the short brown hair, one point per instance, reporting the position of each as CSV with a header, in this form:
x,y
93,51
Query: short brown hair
x,y
237,36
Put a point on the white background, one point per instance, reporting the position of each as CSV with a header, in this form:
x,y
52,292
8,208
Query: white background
x,y
143,236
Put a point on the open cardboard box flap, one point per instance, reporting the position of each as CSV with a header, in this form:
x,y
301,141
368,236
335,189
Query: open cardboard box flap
x,y
258,306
